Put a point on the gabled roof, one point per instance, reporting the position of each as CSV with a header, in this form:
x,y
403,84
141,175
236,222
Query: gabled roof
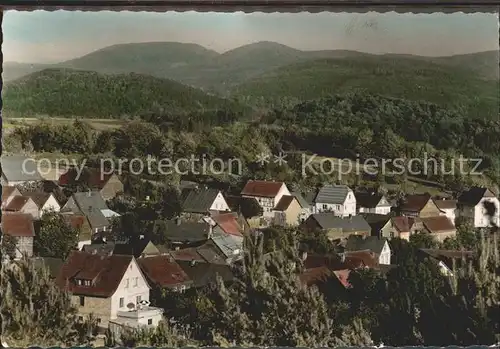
x,y
228,222
438,224
301,200
163,271
370,200
17,224
211,253
446,204
472,196
18,202
91,205
106,248
403,224
13,169
360,259
204,273
262,188
107,272
189,254
332,194
376,221
372,243
198,200
328,220
96,178
285,202
314,276
136,248
415,202
7,191
40,198
180,231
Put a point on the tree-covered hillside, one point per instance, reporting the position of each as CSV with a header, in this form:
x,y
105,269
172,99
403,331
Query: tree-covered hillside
x,y
389,76
64,92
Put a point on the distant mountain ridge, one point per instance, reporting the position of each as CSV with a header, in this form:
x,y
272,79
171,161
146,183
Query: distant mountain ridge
x,y
195,65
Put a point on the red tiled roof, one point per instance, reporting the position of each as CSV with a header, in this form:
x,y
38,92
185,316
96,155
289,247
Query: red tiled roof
x,y
108,272
438,224
187,254
17,224
228,222
415,202
284,202
17,203
315,275
402,224
95,179
7,191
39,198
262,188
163,271
360,259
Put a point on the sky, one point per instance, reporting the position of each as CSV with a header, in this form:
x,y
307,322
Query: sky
x,y
50,37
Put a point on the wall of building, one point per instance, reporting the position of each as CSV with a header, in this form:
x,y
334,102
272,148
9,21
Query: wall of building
x,y
220,204
99,307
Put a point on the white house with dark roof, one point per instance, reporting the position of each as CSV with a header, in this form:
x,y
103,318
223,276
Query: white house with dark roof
x,y
473,204
372,202
267,194
379,246
339,199
203,201
19,169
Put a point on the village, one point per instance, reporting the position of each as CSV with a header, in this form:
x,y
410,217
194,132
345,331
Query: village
x,y
113,280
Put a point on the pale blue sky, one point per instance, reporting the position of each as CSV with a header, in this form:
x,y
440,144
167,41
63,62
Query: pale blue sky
x,y
56,36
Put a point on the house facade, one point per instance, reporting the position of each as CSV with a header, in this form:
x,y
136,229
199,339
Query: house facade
x,y
379,246
288,211
20,229
337,227
23,204
110,288
339,199
401,227
45,201
267,194
448,208
440,227
372,203
419,205
472,205
203,201
8,192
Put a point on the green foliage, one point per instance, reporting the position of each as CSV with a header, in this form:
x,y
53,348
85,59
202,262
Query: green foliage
x,y
66,92
165,335
55,237
35,312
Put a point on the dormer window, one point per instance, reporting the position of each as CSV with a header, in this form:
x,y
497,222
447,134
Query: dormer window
x,y
83,282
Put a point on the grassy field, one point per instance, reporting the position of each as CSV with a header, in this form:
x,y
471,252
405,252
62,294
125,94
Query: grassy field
x,y
98,124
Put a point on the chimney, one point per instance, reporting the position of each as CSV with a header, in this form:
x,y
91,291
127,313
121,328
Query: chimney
x,y
89,193
141,237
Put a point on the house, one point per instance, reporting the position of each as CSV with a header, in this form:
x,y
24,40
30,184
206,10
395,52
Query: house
x,y
304,204
376,222
92,205
80,223
19,169
339,199
20,228
471,205
203,201
399,227
230,245
8,192
419,205
372,202
138,248
164,272
108,185
179,232
45,201
111,288
23,204
379,246
267,194
440,227
204,274
448,208
288,211
337,227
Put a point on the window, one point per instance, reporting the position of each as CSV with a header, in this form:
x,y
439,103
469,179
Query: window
x,y
150,321
122,301
325,206
82,301
126,283
137,299
136,281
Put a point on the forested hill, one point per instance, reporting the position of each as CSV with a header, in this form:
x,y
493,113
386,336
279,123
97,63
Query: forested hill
x,y
400,77
65,92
